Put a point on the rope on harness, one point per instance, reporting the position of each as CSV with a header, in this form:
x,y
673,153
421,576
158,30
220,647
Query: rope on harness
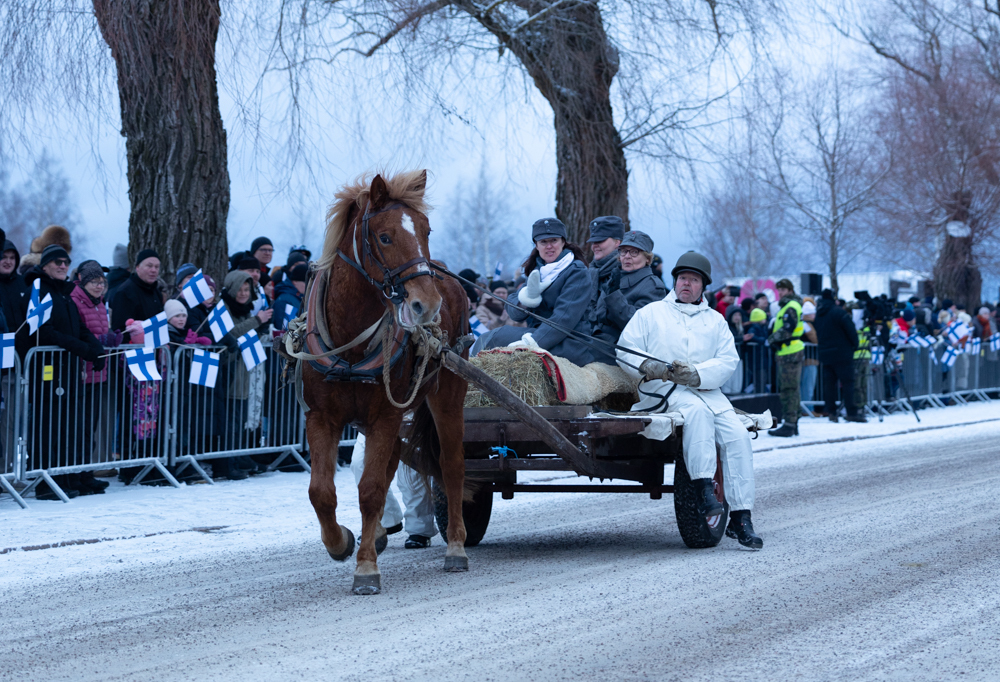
x,y
428,341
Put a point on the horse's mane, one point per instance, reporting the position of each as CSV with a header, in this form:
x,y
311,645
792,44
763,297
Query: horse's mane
x,y
407,188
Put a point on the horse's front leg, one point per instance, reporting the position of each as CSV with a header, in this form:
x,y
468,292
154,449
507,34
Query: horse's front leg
x,y
446,407
324,437
381,458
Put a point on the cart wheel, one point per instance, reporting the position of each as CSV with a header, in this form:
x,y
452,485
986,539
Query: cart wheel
x,y
475,513
697,531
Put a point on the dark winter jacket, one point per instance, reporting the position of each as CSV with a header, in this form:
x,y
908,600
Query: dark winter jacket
x,y
836,336
116,277
12,291
285,294
65,328
135,300
604,273
565,302
615,307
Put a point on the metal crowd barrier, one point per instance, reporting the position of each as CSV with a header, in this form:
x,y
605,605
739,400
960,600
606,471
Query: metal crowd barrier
x,y
10,452
246,413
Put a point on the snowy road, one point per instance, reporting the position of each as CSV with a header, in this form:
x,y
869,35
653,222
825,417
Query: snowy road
x,y
880,562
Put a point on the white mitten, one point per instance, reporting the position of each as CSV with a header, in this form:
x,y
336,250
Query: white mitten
x,y
526,341
531,295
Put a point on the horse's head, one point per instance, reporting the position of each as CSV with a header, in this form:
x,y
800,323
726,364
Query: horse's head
x,y
398,240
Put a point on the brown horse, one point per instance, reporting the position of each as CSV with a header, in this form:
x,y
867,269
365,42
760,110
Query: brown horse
x,y
375,257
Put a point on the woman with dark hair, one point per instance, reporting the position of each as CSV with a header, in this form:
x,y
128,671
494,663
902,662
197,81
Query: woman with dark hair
x,y
559,288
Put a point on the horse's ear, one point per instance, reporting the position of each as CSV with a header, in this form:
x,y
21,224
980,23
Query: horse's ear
x,y
420,184
378,193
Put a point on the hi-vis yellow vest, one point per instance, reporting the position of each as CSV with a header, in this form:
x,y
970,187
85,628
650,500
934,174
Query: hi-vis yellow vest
x,y
795,344
864,345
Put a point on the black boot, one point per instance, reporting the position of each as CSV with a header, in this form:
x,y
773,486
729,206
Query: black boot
x,y
786,430
708,503
417,542
834,418
226,468
89,485
740,528
44,492
857,417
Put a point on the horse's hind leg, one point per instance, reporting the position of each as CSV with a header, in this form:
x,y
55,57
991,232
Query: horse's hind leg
x,y
381,457
446,406
324,437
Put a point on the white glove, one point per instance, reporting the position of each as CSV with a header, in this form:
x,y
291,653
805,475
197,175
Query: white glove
x,y
531,295
526,341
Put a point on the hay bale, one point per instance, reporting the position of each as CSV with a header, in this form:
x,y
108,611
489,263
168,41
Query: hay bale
x,y
521,371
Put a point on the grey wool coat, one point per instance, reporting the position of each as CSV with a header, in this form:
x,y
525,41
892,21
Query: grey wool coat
x,y
566,302
614,309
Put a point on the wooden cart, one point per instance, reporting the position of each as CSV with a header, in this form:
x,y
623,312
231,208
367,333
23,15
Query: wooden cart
x,y
501,442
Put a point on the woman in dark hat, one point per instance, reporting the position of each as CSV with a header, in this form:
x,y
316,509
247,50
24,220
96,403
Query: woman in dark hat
x,y
559,289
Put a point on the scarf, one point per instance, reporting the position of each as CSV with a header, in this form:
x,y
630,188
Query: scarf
x,y
550,271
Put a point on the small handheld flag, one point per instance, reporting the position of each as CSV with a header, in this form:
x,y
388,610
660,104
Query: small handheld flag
x,y
291,312
39,312
918,341
251,348
498,270
196,290
142,363
878,355
220,322
156,331
958,331
950,356
7,343
476,327
204,368
974,346
995,342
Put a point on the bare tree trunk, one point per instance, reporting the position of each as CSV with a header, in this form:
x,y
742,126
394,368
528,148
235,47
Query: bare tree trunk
x,y
572,63
175,142
955,274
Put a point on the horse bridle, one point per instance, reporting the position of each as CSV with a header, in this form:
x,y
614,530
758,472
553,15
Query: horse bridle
x,y
391,285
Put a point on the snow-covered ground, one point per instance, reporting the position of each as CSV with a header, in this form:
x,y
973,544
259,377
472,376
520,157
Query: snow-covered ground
x,y
879,563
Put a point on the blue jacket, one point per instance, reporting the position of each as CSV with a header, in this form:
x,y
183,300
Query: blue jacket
x,y
285,293
566,302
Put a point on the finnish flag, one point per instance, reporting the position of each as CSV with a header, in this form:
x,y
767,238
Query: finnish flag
x,y
7,343
220,321
39,312
156,331
252,349
204,368
878,355
476,327
958,331
142,364
995,342
197,290
974,346
291,312
950,356
498,270
918,341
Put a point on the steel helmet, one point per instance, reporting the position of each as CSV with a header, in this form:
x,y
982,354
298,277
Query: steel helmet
x,y
695,262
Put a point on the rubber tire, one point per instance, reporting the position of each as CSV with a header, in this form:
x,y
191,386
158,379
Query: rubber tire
x,y
694,528
475,513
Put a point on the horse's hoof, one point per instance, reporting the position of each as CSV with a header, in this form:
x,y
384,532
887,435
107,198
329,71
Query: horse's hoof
x,y
454,564
381,542
346,554
367,584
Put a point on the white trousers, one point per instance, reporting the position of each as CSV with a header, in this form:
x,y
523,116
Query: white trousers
x,y
702,431
419,516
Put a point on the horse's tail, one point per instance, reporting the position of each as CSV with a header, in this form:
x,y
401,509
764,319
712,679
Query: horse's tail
x,y
421,450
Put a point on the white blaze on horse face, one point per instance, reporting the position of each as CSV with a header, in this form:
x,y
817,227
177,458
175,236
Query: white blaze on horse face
x,y
407,224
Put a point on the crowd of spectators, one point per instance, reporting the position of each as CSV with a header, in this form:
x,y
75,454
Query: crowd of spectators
x,y
86,408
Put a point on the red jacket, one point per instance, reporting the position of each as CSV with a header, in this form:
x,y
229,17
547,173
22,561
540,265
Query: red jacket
x,y
95,318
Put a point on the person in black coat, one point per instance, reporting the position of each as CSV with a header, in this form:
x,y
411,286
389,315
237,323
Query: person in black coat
x,y
619,297
558,289
138,298
56,377
837,340
12,287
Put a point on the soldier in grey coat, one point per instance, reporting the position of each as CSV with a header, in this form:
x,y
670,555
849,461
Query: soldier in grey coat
x,y
606,233
559,289
618,300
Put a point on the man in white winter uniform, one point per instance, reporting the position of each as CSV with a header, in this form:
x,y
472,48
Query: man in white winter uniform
x,y
682,330
419,516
